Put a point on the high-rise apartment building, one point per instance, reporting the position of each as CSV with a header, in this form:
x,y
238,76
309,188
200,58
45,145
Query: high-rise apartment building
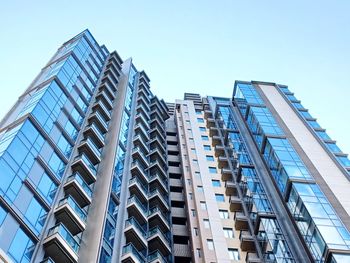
x,y
95,168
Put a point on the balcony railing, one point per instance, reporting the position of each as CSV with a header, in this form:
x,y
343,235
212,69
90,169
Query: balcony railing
x,y
156,255
63,232
132,222
134,199
130,249
77,209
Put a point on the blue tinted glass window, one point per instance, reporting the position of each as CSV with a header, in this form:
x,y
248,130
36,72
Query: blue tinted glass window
x,y
213,170
35,215
219,197
21,248
71,130
333,147
202,129
210,158
64,145
47,188
344,160
306,114
216,183
207,147
323,135
205,138
2,215
314,124
56,165
76,116
200,120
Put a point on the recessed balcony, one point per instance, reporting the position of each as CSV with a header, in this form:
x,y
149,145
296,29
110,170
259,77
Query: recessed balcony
x,y
136,187
137,209
91,150
61,245
93,131
156,217
208,114
99,121
253,258
158,240
247,241
241,221
131,255
219,150
155,154
235,204
135,233
85,168
154,143
71,214
78,189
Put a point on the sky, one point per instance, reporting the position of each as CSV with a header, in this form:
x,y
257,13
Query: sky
x,y
195,46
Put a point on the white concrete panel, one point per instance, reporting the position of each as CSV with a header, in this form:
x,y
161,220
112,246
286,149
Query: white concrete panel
x,y
327,168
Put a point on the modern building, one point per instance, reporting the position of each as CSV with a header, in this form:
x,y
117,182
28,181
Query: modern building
x,y
95,168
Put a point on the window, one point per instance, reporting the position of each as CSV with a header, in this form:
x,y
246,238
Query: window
x,y
210,244
228,233
195,230
224,214
198,177
202,129
206,223
207,147
193,150
200,188
200,120
190,195
198,112
199,252
205,138
210,158
233,253
195,161
213,170
219,197
189,181
216,183
193,212
203,205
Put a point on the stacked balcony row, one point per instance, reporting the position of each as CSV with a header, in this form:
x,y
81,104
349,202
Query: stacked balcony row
x,y
63,240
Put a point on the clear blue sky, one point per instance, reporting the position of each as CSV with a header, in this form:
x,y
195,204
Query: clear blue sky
x,y
198,46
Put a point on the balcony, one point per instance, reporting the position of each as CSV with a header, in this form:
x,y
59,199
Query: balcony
x,y
226,174
154,143
93,132
210,123
141,118
156,257
222,162
241,221
91,150
156,181
100,106
106,87
230,188
103,96
137,209
139,141
78,189
155,165
136,187
61,245
247,241
156,154
235,204
155,130
131,254
253,258
219,150
156,217
208,114
213,131
100,122
216,140
140,129
138,170
85,168
138,155
158,240
156,198
157,123
71,215
135,234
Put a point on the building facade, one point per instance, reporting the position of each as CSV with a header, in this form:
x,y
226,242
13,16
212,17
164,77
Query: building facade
x,y
94,167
